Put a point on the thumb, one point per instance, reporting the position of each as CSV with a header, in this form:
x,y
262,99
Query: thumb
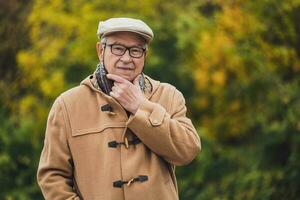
x,y
136,80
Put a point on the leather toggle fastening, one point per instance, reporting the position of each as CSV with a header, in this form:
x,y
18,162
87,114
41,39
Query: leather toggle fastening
x,y
114,144
140,178
126,142
106,108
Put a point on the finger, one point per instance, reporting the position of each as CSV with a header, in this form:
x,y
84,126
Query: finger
x,y
116,78
114,94
120,86
124,86
117,84
116,90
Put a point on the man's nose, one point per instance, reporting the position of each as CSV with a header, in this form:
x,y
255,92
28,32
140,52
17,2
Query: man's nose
x,y
126,57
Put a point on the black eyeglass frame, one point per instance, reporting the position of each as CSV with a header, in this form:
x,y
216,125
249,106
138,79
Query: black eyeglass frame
x,y
126,48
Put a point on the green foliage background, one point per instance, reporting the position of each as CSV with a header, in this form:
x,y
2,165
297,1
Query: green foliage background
x,y
236,61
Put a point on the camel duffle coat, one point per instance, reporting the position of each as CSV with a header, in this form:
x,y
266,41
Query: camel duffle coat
x,y
94,151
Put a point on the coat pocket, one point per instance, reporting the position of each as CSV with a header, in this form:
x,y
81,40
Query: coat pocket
x,y
97,129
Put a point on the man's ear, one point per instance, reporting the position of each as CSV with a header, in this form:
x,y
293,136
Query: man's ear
x,y
145,56
99,49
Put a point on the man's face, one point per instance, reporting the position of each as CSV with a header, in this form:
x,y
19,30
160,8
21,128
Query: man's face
x,y
125,65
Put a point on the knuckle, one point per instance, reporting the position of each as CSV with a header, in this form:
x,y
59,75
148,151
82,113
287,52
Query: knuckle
x,y
121,86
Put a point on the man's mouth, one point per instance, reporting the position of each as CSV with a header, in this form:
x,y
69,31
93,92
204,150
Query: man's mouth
x,y
125,68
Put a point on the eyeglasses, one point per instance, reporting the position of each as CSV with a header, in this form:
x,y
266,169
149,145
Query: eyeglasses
x,y
119,50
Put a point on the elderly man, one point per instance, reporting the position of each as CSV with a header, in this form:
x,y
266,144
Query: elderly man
x,y
119,134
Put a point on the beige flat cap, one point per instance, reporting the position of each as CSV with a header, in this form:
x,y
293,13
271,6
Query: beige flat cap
x,y
113,25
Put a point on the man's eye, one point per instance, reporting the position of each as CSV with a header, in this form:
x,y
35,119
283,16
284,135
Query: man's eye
x,y
136,50
119,48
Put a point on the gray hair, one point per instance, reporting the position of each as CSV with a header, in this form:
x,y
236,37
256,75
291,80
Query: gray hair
x,y
103,40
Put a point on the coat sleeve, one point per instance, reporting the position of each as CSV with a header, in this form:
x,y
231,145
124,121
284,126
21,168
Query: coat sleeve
x,y
168,134
55,171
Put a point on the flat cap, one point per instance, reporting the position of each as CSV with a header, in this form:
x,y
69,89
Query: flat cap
x,y
113,25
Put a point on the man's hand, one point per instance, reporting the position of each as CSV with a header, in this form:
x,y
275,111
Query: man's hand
x,y
129,95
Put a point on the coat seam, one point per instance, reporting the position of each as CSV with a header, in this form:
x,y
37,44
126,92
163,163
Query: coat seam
x,y
171,102
65,115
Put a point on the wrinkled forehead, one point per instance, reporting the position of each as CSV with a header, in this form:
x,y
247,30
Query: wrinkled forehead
x,y
126,38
